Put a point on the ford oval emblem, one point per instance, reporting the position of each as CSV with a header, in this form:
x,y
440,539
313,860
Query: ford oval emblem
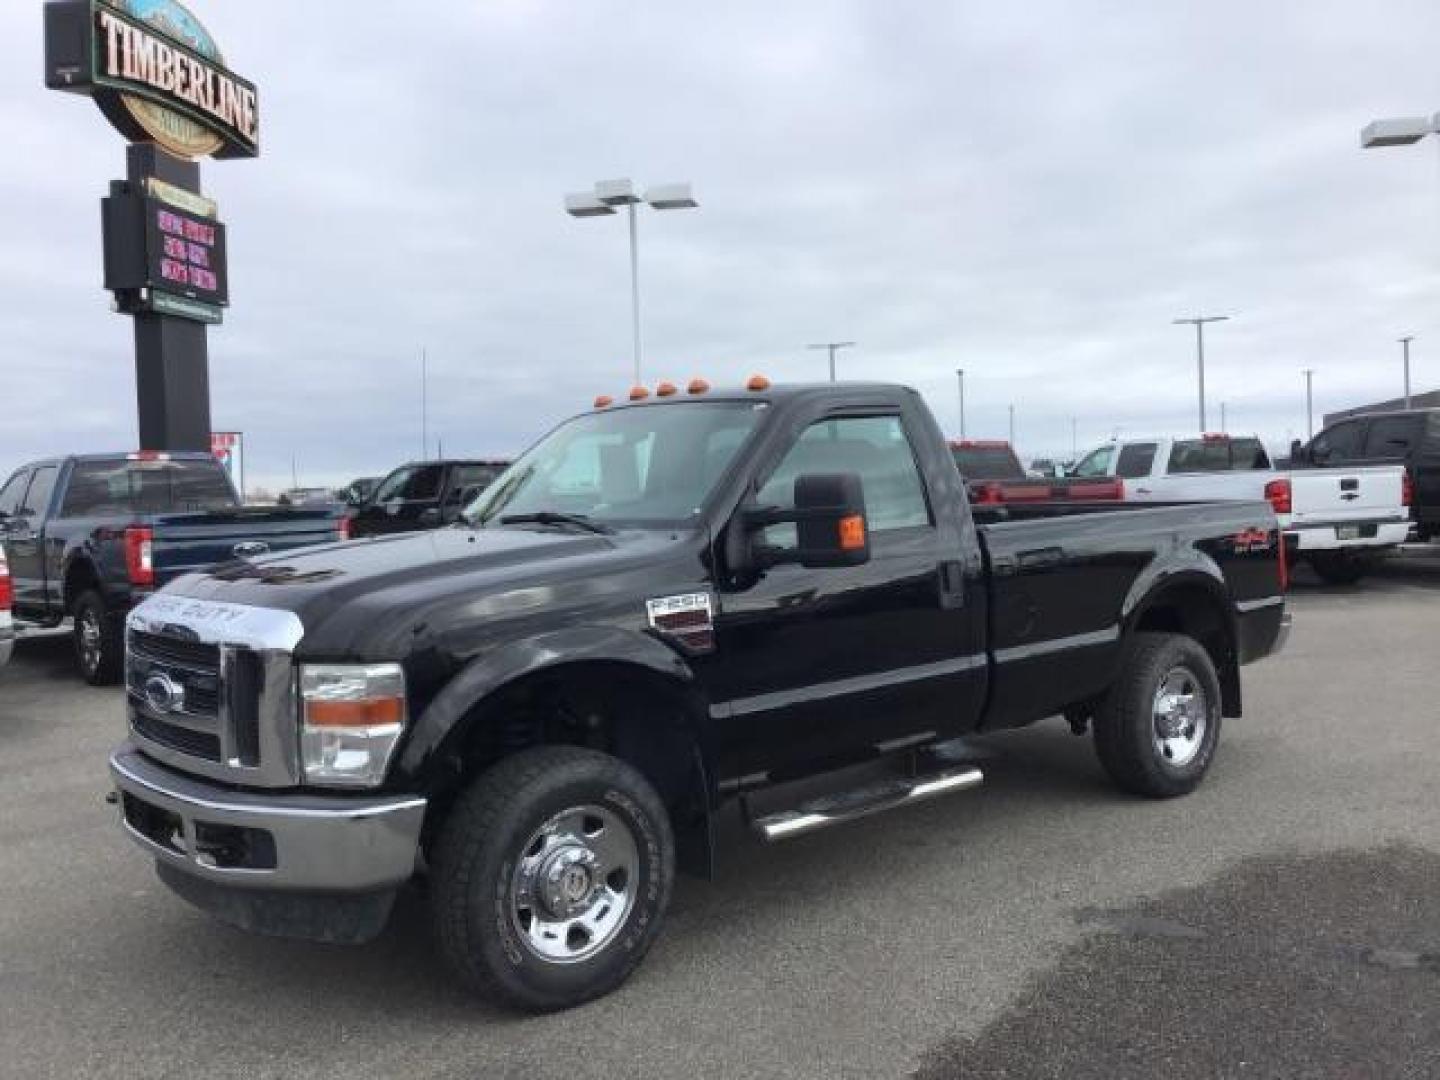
x,y
248,549
164,694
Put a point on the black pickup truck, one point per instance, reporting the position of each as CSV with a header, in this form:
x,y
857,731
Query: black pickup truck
x,y
774,602
88,536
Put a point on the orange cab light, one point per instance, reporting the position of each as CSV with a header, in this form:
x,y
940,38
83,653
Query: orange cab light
x,y
852,533
638,393
758,382
604,401
666,389
345,714
697,386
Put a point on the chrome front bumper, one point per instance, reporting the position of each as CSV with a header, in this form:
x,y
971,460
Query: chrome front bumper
x,y
266,841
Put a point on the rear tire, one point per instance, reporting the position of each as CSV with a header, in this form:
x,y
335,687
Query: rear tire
x,y
99,637
1157,729
1338,567
550,877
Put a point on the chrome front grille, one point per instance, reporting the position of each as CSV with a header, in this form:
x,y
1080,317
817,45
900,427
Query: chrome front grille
x,y
210,688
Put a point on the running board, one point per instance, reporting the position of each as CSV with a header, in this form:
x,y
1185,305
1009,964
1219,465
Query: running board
x,y
849,805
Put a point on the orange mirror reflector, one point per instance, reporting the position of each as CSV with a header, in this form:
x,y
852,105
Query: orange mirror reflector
x,y
666,389
852,533
758,382
604,401
638,393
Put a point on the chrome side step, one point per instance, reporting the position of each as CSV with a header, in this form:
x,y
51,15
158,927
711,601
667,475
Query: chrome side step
x,y
861,802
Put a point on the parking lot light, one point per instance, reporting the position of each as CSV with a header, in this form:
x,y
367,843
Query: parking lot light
x,y
1397,131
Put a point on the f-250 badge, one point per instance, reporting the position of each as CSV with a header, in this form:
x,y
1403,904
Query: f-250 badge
x,y
687,619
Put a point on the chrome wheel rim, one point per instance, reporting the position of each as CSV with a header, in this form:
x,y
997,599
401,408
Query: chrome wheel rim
x,y
1181,717
574,884
89,629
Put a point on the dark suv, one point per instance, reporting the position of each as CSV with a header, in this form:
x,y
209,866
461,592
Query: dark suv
x,y
423,495
1410,437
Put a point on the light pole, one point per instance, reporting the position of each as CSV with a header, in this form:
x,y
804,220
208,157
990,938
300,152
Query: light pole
x,y
601,202
1012,427
1309,404
1074,438
960,374
832,347
1223,426
1199,321
1405,344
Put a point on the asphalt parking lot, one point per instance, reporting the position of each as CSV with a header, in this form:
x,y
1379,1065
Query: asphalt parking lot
x,y
1284,920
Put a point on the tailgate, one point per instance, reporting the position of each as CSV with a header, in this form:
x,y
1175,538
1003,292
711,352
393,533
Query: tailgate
x,y
1371,493
198,541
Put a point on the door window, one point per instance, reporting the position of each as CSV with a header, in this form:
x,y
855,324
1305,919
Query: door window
x,y
875,449
37,500
1136,460
1339,443
11,493
410,484
1390,437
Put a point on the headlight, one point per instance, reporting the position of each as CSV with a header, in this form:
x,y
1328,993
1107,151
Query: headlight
x,y
351,717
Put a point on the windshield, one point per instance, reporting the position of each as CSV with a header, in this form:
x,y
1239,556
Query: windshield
x,y
1095,463
651,466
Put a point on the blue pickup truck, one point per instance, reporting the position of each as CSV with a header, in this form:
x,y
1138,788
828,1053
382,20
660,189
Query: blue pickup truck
x,y
87,537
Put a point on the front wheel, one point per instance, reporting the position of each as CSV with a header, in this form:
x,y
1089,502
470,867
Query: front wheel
x,y
1157,729
99,640
551,876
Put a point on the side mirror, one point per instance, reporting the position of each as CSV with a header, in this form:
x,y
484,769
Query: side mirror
x,y
829,520
430,517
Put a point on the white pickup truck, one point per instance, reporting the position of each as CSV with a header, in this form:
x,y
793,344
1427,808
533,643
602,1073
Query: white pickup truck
x,y
1338,519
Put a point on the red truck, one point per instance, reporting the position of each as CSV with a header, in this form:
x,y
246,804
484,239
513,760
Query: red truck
x,y
993,475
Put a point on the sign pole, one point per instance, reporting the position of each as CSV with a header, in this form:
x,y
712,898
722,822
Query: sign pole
x,y
172,360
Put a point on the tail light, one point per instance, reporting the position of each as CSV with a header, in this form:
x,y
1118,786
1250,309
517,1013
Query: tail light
x,y
1407,490
7,588
139,565
987,494
1277,494
344,527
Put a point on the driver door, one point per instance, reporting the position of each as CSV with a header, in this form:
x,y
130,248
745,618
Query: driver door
x,y
812,665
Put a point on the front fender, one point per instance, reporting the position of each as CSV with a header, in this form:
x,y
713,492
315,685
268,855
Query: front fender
x,y
484,676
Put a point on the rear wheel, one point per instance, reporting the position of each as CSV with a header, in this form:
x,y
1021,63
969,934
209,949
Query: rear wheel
x,y
551,876
1339,567
1157,729
99,640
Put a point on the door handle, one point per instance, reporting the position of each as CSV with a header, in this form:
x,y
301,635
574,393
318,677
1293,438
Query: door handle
x,y
1142,491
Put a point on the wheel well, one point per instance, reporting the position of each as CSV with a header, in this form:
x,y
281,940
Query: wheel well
x,y
79,576
643,718
1195,612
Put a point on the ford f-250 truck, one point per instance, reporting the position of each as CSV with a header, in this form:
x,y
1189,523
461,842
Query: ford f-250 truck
x,y
88,536
673,607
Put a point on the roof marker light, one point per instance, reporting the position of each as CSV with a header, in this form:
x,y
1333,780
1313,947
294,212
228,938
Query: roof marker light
x,y
758,382
698,386
666,389
604,401
638,393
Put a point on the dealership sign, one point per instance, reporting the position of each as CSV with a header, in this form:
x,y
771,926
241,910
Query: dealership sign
x,y
155,72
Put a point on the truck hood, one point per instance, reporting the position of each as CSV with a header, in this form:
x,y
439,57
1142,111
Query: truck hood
x,y
374,598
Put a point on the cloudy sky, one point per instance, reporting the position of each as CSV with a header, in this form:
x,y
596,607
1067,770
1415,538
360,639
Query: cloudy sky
x,y
1029,191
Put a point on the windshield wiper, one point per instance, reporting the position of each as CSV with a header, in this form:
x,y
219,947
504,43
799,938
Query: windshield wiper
x,y
555,517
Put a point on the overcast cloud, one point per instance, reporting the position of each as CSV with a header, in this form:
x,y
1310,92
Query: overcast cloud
x,y
1029,191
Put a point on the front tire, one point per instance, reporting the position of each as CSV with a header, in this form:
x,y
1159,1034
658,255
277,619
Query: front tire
x,y
1157,729
99,640
550,877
